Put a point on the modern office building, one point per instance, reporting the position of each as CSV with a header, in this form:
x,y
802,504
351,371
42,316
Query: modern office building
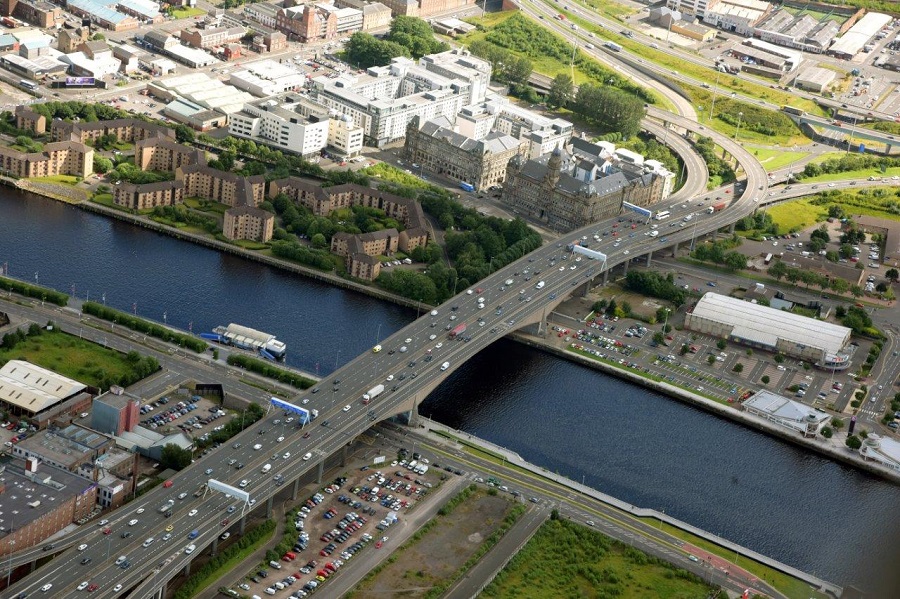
x,y
267,78
767,328
784,412
291,122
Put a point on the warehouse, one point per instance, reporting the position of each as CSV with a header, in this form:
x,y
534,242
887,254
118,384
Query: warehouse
x,y
848,45
767,328
815,79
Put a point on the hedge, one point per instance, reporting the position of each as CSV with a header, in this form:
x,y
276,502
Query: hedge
x,y
144,326
41,293
266,369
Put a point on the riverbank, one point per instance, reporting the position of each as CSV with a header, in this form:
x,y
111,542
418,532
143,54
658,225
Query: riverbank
x,y
837,452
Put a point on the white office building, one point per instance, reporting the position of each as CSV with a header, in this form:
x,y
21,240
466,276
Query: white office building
x,y
295,123
267,78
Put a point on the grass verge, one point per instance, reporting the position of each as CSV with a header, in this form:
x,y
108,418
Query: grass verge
x,y
64,179
857,174
773,160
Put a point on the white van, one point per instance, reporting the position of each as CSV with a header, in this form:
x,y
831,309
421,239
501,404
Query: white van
x,y
445,366
266,468
654,233
279,585
120,559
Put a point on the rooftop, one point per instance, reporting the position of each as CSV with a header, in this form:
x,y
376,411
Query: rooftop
x,y
33,388
765,325
788,413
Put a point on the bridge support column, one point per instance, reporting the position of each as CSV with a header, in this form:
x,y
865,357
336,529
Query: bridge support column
x,y
214,549
269,503
160,593
345,452
243,524
649,258
296,490
187,569
321,471
605,277
413,420
731,229
625,267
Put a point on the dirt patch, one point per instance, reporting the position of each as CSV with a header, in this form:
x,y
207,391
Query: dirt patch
x,y
441,551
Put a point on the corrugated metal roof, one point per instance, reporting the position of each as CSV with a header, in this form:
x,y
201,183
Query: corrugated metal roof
x,y
34,388
757,321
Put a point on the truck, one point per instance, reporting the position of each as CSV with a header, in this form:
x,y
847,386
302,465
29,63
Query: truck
x,y
459,330
314,414
715,207
166,506
466,186
613,46
372,394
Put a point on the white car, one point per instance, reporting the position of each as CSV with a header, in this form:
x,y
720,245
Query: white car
x,y
82,547
209,471
140,510
83,586
167,536
286,455
103,523
257,447
117,588
469,292
434,312
192,513
307,456
408,340
46,587
182,495
347,408
389,378
132,522
280,439
439,346
244,483
432,337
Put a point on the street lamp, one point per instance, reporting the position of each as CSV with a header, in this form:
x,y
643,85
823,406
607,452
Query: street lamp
x,y
738,130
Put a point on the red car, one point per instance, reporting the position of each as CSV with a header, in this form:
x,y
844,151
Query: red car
x,y
379,544
93,588
306,435
106,531
225,522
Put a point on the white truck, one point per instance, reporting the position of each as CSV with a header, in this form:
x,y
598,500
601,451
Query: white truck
x,y
372,394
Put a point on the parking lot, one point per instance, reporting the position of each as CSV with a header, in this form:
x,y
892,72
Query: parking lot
x,y
192,414
353,513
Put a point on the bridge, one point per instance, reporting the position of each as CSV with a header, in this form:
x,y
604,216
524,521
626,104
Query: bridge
x,y
431,358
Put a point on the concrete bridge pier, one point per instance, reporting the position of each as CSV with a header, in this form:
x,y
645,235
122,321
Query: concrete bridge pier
x,y
269,503
605,277
321,471
345,452
243,524
187,569
33,566
731,229
214,549
649,258
625,267
295,490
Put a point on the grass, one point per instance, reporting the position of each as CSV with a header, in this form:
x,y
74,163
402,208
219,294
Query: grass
x,y
826,156
604,567
797,214
187,12
857,174
64,179
773,160
233,562
202,205
790,586
70,356
249,244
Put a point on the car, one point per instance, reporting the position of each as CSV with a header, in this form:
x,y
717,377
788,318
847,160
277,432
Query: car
x,y
244,483
306,435
711,284
82,586
192,513
140,510
225,522
132,522
93,587
117,588
209,471
693,558
107,531
86,561
286,455
46,587
167,536
590,523
182,495
82,547
307,456
103,523
225,535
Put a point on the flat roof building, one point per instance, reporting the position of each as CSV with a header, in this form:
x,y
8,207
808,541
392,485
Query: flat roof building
x,y
815,79
848,45
73,448
883,450
785,412
767,328
267,78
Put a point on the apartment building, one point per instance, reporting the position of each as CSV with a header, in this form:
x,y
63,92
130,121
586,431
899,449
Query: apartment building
x,y
211,38
376,243
148,195
163,154
29,120
201,181
248,222
129,130
57,158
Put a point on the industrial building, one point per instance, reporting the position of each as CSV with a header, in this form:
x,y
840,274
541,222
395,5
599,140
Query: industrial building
x,y
767,328
802,31
785,412
115,412
202,90
267,78
814,79
856,38
73,448
29,391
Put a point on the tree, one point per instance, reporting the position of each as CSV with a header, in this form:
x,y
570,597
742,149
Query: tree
x,y
364,51
175,457
827,432
318,241
721,344
853,442
735,260
837,424
609,108
738,367
778,270
764,379
892,275
846,250
779,358
659,338
102,164
184,134
561,91
711,360
839,285
856,290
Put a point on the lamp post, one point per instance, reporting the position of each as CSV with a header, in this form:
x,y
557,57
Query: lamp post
x,y
712,109
12,547
738,130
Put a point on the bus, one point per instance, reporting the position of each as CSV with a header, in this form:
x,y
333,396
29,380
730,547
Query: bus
x,y
28,84
768,259
792,110
662,214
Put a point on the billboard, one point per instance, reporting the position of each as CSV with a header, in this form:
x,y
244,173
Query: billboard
x,y
590,254
379,460
80,82
228,490
638,209
303,413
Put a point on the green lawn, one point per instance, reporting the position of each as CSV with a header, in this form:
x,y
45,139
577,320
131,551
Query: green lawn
x,y
64,179
773,160
571,560
187,12
797,214
249,244
70,356
206,206
826,156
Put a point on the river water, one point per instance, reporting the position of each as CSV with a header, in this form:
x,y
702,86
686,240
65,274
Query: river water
x,y
637,445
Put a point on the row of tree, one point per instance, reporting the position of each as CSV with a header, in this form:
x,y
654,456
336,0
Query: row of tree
x,y
267,369
143,326
409,36
656,285
849,162
718,253
179,213
716,166
41,293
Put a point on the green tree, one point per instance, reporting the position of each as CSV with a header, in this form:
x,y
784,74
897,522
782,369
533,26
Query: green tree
x,y
846,251
175,457
102,164
711,360
735,260
659,338
561,92
856,290
853,442
721,344
609,108
837,424
184,134
779,358
892,275
318,241
827,432
764,379
778,270
839,285
738,367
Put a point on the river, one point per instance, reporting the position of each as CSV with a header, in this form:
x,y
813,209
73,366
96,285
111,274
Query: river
x,y
644,448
